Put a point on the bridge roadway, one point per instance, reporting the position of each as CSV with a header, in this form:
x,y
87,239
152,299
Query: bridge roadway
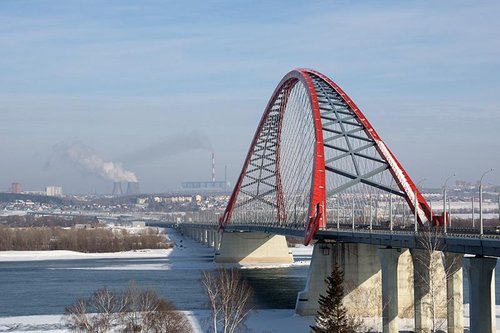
x,y
454,242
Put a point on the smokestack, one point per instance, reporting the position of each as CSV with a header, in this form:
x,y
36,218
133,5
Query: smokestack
x,y
213,167
117,188
132,188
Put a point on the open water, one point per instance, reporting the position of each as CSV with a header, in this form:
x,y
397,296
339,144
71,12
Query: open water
x,y
47,287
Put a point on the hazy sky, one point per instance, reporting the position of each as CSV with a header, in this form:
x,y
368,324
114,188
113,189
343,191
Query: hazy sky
x,y
159,84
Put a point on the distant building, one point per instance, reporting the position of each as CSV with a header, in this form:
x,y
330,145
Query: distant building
x,y
16,188
53,191
181,199
205,185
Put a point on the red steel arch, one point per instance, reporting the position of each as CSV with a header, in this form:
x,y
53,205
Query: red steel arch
x,y
315,82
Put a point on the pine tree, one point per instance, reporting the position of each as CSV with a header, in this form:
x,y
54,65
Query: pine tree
x,y
332,315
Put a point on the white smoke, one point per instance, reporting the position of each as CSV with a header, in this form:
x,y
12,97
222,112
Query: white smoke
x,y
87,159
169,146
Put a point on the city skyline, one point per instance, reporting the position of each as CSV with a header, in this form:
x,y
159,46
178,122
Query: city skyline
x,y
132,81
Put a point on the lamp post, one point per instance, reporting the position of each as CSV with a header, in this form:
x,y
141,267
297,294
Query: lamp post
x,y
444,202
391,222
416,203
473,226
353,212
481,200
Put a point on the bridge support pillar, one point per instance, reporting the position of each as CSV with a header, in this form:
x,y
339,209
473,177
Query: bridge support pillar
x,y
210,238
204,236
253,248
389,264
321,267
454,291
421,290
482,294
218,236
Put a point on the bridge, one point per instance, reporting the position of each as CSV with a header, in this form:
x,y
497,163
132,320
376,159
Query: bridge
x,y
317,169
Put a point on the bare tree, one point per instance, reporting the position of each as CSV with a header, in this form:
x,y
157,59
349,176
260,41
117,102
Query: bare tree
x,y
77,317
229,297
431,274
134,310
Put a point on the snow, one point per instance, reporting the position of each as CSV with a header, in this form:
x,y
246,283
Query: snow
x,y
67,255
258,321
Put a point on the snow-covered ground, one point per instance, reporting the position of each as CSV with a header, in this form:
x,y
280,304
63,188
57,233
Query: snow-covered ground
x,y
258,322
261,321
67,255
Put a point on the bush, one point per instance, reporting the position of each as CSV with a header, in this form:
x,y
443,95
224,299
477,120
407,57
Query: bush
x,y
131,311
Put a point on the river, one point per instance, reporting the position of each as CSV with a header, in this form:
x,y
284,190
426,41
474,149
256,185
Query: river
x,y
47,287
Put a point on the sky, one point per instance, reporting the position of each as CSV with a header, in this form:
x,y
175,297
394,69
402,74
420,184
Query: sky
x,y
155,86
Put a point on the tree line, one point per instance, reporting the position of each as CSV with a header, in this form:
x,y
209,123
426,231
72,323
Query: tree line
x,y
24,221
81,240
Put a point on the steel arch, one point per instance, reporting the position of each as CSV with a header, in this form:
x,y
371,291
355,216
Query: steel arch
x,y
266,150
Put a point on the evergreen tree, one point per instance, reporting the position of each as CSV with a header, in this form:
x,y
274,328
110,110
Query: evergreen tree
x,y
332,315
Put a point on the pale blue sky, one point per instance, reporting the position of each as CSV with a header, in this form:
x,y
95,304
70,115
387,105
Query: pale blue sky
x,y
120,76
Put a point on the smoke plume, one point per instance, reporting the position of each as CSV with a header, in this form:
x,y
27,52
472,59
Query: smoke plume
x,y
172,145
88,160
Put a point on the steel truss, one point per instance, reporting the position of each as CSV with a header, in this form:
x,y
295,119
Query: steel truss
x,y
316,161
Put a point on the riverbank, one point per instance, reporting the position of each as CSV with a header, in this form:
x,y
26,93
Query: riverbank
x,y
11,256
259,321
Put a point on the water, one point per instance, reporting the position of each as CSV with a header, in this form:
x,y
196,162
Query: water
x,y
47,287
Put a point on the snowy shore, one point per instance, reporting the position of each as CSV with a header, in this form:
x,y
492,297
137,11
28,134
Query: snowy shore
x,y
269,321
7,256
258,322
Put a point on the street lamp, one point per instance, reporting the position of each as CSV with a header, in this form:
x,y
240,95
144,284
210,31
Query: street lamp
x,y
444,201
416,203
481,200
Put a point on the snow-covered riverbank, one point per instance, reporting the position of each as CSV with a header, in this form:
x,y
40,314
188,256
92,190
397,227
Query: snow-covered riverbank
x,y
261,321
258,322
70,255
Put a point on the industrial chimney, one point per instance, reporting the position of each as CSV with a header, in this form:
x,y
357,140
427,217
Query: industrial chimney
x,y
213,168
132,188
117,188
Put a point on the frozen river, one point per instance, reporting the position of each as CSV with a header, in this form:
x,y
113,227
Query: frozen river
x,y
48,286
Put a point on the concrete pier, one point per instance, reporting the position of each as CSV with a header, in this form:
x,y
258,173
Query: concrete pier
x,y
454,291
422,292
482,294
389,263
320,268
253,248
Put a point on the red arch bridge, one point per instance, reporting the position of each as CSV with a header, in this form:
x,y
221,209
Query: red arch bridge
x,y
316,168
